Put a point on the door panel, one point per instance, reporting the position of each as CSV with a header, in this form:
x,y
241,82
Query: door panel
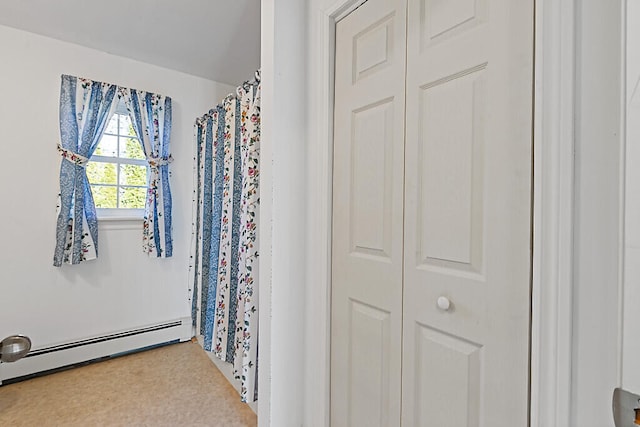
x,y
369,365
371,162
467,213
366,331
451,139
441,19
448,379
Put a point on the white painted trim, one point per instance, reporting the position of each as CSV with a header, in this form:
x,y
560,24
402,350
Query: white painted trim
x,y
553,213
340,10
552,293
120,224
267,60
318,326
318,298
622,190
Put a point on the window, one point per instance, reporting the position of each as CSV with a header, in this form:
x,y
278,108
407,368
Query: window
x,y
118,171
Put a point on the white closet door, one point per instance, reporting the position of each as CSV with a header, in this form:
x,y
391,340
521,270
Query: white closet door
x,y
367,216
468,213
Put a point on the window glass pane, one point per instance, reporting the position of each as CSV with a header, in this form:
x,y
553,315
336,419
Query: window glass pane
x,y
104,197
132,197
101,173
108,146
112,126
126,129
133,175
130,148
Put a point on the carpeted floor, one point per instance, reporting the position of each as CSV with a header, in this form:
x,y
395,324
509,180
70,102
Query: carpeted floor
x,y
176,385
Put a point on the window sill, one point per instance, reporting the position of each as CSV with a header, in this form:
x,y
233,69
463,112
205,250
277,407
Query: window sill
x,y
120,223
120,218
119,215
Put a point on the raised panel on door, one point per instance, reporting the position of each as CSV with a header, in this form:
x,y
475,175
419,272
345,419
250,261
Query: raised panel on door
x,y
467,213
368,173
448,379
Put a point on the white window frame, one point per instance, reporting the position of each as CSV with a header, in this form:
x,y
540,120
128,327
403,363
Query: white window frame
x,y
119,213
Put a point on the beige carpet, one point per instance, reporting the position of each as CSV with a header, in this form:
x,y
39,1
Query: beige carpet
x,y
176,385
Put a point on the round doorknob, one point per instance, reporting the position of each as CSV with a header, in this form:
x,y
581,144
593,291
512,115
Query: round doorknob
x,y
444,303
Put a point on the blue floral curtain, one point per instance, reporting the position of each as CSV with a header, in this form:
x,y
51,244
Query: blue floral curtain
x,y
225,236
151,119
85,108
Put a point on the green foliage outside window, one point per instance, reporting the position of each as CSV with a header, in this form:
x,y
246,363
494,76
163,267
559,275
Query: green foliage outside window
x,y
109,178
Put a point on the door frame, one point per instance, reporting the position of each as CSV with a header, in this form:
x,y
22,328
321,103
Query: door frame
x,y
553,209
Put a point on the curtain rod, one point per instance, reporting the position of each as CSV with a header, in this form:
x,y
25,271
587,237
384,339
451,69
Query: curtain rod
x,y
244,86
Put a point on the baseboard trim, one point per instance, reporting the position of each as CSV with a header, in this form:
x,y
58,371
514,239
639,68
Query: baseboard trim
x,y
87,350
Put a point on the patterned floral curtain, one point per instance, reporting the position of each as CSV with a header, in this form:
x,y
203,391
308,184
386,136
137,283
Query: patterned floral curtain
x,y
85,108
151,119
225,249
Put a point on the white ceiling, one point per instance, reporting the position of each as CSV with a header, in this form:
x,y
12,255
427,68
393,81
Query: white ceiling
x,y
215,39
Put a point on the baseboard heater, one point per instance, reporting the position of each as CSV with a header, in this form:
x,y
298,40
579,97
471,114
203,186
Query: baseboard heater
x,y
52,358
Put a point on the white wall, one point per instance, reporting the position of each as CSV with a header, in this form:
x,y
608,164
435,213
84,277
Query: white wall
x,y
123,288
597,244
284,228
